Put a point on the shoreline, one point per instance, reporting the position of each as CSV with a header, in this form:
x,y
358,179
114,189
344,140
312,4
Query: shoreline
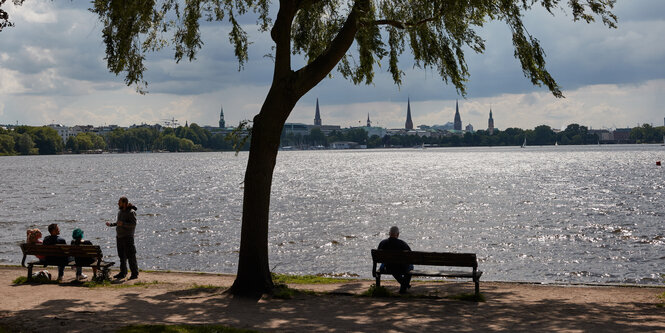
x,y
352,279
160,297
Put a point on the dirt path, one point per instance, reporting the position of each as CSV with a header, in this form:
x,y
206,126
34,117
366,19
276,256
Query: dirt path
x,y
175,298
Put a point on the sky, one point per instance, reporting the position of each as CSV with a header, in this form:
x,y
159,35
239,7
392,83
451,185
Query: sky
x,y
52,70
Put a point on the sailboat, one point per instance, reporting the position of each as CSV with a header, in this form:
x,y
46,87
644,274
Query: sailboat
x,y
556,143
524,144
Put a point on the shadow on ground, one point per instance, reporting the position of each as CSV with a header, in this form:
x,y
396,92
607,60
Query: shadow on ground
x,y
341,312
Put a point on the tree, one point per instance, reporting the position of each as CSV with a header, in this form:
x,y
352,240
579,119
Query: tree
x,y
6,144
323,31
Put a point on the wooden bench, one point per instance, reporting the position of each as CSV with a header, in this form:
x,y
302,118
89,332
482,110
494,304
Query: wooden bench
x,y
69,252
429,259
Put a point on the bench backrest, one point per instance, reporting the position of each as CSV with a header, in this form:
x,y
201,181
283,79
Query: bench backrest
x,y
425,258
81,251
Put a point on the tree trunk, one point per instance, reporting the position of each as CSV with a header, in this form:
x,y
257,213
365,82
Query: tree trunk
x,y
253,277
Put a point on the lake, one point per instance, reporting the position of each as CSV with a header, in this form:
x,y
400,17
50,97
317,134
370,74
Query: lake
x,y
566,214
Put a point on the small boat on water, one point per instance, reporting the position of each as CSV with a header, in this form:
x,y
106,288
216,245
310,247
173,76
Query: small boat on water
x,y
524,143
556,143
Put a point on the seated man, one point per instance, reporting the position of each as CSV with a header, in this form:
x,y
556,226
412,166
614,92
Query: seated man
x,y
54,239
399,271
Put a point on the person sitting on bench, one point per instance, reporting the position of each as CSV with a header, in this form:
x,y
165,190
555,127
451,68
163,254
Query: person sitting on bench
x,y
54,239
34,236
399,271
77,239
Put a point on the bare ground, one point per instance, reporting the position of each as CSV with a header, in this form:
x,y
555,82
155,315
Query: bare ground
x,y
173,298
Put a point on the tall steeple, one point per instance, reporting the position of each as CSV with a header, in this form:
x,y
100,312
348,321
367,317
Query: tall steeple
x,y
317,115
458,120
409,123
490,123
222,123
369,122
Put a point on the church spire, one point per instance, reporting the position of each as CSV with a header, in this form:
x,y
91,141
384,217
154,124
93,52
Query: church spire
x,y
409,123
458,119
490,123
222,123
369,122
317,115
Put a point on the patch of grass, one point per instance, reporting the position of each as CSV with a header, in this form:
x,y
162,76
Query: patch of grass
x,y
24,280
305,279
211,287
107,283
4,329
182,329
377,291
282,291
471,297
662,297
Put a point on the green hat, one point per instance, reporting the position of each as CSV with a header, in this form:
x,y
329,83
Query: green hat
x,y
77,233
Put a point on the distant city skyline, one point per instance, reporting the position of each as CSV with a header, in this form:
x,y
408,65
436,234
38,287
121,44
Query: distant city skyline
x,y
52,70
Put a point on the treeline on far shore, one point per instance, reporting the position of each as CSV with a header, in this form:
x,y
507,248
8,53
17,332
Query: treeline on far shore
x,y
574,134
43,140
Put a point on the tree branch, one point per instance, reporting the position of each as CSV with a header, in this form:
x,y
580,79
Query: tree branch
x,y
311,74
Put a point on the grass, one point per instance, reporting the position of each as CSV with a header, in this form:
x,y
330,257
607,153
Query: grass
x,y
282,291
182,329
107,283
662,297
210,287
24,280
305,279
378,291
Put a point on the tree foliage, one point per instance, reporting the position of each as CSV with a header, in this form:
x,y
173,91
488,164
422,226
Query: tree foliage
x,y
434,32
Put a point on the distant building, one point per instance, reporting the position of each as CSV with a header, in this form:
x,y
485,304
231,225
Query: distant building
x,y
369,122
458,119
409,123
296,128
445,127
622,135
490,123
222,123
317,115
469,128
318,123
63,131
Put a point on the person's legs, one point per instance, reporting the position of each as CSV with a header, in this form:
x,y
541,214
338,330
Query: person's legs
x,y
61,272
131,257
122,253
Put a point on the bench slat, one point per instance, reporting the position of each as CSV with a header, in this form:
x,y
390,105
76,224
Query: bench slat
x,y
81,251
425,258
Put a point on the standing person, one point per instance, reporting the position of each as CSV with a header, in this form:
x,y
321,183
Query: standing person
x,y
399,271
124,228
54,239
77,239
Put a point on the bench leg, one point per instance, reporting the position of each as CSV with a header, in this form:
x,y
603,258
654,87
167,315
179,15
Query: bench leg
x,y
378,280
29,272
477,288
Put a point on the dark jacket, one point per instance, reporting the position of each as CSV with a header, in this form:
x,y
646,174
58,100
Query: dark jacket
x,y
128,219
395,244
54,240
82,261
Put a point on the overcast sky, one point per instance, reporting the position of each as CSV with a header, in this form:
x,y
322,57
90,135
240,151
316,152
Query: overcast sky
x,y
52,69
